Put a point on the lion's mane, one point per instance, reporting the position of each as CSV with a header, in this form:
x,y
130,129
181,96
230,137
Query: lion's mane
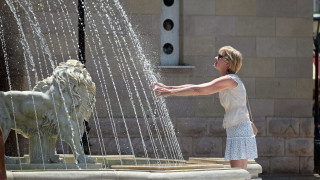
x,y
71,87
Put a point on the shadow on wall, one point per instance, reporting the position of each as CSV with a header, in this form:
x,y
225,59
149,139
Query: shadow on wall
x,y
12,59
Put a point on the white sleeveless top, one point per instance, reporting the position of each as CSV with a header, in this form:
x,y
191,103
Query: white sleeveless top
x,y
234,102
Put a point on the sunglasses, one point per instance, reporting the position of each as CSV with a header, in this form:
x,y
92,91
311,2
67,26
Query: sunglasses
x,y
220,56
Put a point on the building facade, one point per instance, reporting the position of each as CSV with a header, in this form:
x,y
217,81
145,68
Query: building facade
x,y
275,38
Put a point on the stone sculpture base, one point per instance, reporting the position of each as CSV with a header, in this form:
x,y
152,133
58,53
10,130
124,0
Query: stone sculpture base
x,y
54,166
168,167
207,174
103,162
131,167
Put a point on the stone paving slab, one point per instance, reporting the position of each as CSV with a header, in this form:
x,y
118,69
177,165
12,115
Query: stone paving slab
x,y
289,177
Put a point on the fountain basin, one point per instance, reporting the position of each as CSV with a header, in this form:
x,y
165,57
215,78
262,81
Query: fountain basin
x,y
110,167
203,174
253,168
103,162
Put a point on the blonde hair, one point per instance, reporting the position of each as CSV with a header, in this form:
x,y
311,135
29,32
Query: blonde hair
x,y
233,57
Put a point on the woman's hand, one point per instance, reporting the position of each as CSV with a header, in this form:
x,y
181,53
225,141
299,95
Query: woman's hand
x,y
157,84
161,91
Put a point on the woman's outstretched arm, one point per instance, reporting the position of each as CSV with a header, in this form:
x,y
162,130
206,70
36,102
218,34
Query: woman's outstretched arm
x,y
157,84
219,84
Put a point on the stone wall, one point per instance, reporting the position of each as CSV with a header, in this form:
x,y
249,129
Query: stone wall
x,y
275,38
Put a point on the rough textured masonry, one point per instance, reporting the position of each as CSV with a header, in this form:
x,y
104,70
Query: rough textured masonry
x,y
275,38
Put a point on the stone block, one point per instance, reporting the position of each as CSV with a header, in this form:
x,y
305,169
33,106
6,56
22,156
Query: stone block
x,y
20,83
63,147
246,45
14,51
61,45
10,27
257,67
236,8
250,85
158,127
175,77
191,7
224,144
267,8
101,108
283,8
262,107
16,67
276,88
306,127
215,127
208,107
180,107
283,127
39,6
185,145
117,107
204,68
143,6
200,80
303,47
192,127
52,23
187,25
123,146
306,165
96,145
206,25
46,21
270,146
265,163
147,148
284,165
198,45
224,21
103,127
198,25
299,67
207,146
261,125
293,27
304,88
293,107
146,23
299,147
255,26
305,8
276,47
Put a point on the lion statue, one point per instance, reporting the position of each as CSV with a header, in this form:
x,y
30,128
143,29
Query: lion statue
x,y
55,108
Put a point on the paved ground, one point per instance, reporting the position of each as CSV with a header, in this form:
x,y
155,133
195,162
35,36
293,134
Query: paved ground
x,y
290,177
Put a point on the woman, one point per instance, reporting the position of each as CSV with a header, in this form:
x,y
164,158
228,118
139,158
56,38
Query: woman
x,y
241,142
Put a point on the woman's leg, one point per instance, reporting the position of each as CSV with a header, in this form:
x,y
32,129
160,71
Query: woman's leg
x,y
242,163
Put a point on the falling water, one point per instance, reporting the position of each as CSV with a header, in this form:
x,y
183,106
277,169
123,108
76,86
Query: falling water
x,y
150,76
6,59
27,50
117,59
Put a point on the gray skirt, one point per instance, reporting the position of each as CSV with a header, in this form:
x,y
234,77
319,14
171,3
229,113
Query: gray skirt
x,y
241,143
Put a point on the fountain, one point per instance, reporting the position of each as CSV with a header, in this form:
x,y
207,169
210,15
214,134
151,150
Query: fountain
x,y
134,136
